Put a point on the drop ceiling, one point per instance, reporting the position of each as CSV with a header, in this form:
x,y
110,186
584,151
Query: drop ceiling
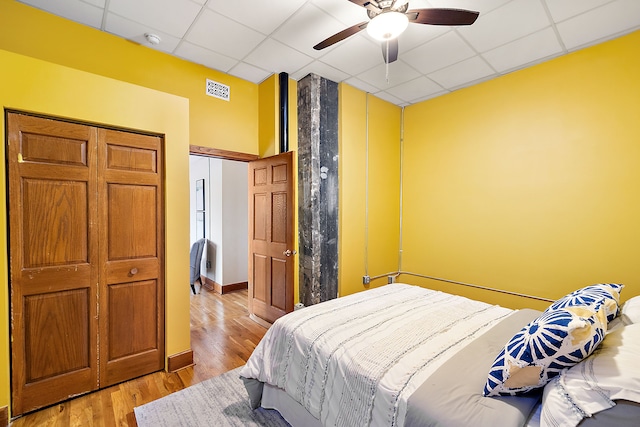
x,y
253,39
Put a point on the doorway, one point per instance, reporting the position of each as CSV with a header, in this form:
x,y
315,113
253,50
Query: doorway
x,y
218,213
270,225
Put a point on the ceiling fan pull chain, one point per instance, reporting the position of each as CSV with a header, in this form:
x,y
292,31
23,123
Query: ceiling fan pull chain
x,y
387,64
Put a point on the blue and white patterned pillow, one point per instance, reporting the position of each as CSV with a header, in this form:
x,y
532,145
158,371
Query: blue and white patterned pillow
x,y
554,341
608,292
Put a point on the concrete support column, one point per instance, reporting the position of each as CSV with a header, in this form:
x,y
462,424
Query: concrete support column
x,y
318,188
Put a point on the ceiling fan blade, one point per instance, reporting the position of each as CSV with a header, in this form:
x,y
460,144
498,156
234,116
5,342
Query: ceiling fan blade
x,y
390,50
341,35
371,5
439,16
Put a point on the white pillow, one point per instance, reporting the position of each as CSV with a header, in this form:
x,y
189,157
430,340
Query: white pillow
x,y
630,311
611,373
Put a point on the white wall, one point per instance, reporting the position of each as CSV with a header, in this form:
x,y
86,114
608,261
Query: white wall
x,y
198,169
215,245
235,209
227,207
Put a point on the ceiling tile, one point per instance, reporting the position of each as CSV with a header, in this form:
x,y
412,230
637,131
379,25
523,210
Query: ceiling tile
x,y
515,19
382,78
98,3
200,55
527,50
249,72
223,35
563,9
321,69
354,55
359,84
482,6
388,97
174,17
276,57
418,88
610,20
417,34
439,53
74,10
264,15
308,27
462,73
344,11
135,31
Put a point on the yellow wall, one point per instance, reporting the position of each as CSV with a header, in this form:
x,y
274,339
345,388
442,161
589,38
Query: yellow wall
x,y
293,146
269,122
368,216
229,125
529,182
269,143
32,85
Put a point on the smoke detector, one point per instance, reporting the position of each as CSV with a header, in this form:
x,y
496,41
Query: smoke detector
x,y
152,38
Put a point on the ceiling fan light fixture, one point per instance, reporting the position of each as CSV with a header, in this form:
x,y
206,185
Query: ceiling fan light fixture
x,y
387,25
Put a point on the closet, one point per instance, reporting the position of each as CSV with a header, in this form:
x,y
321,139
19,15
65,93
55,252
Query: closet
x,y
86,233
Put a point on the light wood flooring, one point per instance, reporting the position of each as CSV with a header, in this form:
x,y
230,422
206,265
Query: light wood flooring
x,y
222,338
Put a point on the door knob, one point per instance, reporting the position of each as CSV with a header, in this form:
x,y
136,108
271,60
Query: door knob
x,y
289,252
133,271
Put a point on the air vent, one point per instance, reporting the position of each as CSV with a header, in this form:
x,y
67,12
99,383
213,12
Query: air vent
x,y
218,90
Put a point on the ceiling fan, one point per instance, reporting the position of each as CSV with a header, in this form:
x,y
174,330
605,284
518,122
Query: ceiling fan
x,y
389,18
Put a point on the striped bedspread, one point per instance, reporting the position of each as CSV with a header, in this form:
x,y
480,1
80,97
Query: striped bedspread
x,y
355,360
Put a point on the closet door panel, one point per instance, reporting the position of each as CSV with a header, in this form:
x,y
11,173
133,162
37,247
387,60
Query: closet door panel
x,y
135,237
48,317
53,268
125,340
131,283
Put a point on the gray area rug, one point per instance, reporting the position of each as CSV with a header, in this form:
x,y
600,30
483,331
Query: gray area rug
x,y
219,401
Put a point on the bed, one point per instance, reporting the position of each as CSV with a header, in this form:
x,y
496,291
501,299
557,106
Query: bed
x,y
403,355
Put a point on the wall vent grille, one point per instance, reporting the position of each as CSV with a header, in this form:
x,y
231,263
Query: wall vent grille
x,y
218,90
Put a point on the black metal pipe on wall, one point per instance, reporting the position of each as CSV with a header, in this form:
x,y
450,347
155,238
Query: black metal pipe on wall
x,y
284,112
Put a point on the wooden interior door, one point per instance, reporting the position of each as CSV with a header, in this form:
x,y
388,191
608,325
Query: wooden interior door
x,y
272,255
53,268
131,256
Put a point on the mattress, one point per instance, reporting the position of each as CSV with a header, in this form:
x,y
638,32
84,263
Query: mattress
x,y
357,360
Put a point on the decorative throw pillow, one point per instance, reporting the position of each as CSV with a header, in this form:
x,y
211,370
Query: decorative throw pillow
x,y
554,341
610,374
609,292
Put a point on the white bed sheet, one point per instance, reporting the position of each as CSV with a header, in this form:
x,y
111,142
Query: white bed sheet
x,y
297,416
368,381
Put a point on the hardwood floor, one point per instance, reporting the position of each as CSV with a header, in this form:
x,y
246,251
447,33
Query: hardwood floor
x,y
222,338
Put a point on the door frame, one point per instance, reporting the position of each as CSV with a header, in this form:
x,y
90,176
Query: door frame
x,y
244,157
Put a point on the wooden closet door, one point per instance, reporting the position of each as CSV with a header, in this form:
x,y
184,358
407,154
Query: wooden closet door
x,y
131,255
53,268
